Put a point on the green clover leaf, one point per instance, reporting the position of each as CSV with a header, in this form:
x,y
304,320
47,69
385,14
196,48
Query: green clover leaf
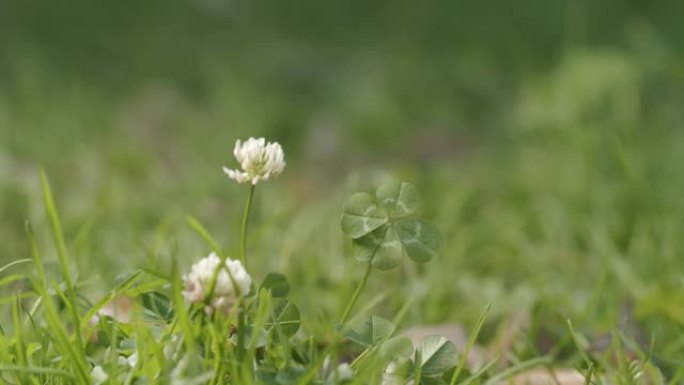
x,y
437,355
381,248
398,199
385,227
277,284
420,238
286,316
372,331
361,215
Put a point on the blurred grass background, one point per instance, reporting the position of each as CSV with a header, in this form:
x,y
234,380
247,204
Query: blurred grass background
x,y
545,136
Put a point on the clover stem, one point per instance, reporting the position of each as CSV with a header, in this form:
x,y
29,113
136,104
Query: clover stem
x,y
355,296
241,335
245,221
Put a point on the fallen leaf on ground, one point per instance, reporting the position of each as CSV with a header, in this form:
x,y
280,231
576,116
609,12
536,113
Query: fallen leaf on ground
x,y
517,324
546,377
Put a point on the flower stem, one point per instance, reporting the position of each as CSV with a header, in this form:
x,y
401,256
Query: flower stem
x,y
245,221
241,336
355,296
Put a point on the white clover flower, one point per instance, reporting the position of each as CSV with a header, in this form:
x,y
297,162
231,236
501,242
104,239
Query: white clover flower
x,y
98,375
129,361
198,281
341,374
259,161
171,347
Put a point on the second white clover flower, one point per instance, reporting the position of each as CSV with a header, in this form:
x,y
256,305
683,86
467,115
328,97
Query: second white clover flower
x,y
198,282
258,159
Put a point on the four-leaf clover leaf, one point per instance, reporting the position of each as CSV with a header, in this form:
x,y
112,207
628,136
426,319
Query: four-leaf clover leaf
x,y
385,226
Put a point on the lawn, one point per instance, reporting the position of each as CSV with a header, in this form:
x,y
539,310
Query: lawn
x,y
542,180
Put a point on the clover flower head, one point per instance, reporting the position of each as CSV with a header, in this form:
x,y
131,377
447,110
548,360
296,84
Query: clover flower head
x,y
198,281
259,161
340,375
98,375
129,361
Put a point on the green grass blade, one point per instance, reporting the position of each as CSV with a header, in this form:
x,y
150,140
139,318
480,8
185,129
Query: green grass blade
x,y
181,311
20,349
515,369
39,370
54,322
480,372
42,280
580,349
471,341
51,211
590,372
121,287
13,263
53,216
10,298
157,274
11,279
204,234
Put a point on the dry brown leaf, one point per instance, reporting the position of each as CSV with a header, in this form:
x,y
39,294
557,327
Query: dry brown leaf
x,y
119,309
517,324
546,377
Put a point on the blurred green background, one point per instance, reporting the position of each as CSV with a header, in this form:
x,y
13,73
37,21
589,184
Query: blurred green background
x,y
546,138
